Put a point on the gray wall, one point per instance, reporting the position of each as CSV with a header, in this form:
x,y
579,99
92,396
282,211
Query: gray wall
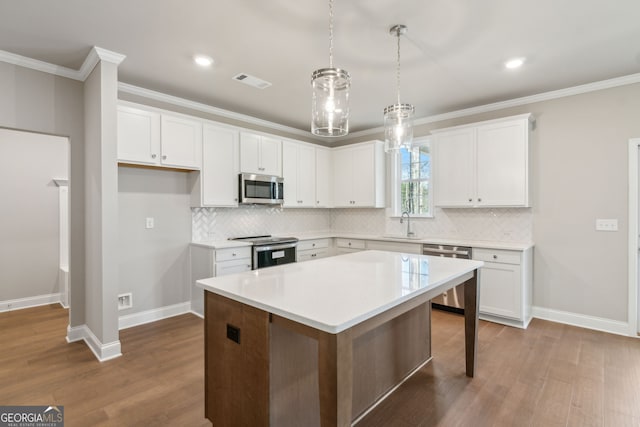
x,y
41,102
29,217
153,263
580,173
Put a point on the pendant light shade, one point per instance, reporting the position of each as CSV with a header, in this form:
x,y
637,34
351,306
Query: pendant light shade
x,y
398,118
330,97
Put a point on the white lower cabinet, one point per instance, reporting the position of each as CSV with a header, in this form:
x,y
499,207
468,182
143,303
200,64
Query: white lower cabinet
x,y
383,245
505,286
344,246
308,250
209,262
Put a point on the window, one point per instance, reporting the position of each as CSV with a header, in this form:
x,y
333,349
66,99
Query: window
x,y
413,180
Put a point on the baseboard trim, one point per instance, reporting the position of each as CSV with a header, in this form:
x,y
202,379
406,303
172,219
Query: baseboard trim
x,y
103,352
136,319
195,313
20,303
581,320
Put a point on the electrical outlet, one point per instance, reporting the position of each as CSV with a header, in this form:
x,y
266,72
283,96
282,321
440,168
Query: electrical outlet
x,y
606,224
125,301
149,223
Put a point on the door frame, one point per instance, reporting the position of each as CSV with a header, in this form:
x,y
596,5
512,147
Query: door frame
x,y
634,240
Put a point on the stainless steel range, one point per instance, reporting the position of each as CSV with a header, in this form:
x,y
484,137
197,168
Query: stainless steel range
x,y
269,251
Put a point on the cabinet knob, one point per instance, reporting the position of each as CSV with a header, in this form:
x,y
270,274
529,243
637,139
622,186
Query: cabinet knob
x,y
313,245
495,257
471,200
164,157
317,202
349,243
479,199
313,255
235,200
233,254
153,156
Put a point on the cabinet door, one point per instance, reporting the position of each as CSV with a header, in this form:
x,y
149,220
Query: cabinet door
x,y
306,176
220,166
363,166
501,290
343,178
502,164
138,136
290,174
249,153
181,142
232,267
270,162
454,171
324,177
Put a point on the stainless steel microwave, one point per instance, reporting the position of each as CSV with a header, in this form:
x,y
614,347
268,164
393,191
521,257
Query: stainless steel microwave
x,y
261,189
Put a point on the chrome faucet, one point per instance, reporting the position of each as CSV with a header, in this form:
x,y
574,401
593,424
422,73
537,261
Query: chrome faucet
x,y
409,232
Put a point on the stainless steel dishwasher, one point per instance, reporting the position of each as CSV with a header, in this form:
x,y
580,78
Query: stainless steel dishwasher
x,y
453,299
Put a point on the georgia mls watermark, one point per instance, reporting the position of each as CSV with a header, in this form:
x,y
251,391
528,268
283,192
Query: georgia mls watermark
x,y
31,416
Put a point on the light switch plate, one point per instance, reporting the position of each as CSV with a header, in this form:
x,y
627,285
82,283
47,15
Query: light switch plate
x,y
149,223
606,224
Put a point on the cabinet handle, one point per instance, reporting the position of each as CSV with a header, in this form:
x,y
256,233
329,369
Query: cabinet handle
x,y
233,254
235,200
164,157
471,200
313,255
479,199
495,257
153,156
313,245
349,243
317,202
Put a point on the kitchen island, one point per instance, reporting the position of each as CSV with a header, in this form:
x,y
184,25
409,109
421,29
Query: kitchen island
x,y
320,343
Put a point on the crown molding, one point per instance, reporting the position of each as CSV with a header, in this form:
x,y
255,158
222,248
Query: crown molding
x,y
545,96
182,102
34,64
95,55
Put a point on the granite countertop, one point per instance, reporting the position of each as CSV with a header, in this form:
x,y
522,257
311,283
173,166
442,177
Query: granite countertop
x,y
333,294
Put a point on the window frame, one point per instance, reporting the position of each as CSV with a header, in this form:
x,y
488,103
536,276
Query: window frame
x,y
396,180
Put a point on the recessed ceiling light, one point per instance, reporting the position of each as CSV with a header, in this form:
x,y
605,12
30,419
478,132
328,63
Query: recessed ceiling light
x,y
514,63
203,60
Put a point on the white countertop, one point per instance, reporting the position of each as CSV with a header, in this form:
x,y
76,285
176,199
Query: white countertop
x,y
336,293
221,244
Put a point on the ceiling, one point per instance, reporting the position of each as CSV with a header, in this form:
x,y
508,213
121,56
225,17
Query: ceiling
x,y
452,55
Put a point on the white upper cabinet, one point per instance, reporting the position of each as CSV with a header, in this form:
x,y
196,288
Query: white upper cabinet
x,y
260,154
483,164
138,136
299,173
180,142
324,178
358,175
150,137
217,183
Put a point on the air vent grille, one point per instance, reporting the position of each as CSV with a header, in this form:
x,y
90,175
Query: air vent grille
x,y
251,81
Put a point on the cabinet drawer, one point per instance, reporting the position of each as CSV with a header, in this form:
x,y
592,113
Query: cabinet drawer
x,y
304,245
233,253
497,255
312,254
378,245
234,266
350,243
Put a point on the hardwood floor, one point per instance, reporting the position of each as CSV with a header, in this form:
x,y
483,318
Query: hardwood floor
x,y
548,375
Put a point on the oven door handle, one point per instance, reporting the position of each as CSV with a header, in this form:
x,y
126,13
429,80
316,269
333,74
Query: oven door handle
x,y
433,251
275,247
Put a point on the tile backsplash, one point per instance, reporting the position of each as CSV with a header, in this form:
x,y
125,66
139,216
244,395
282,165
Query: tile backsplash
x,y
503,224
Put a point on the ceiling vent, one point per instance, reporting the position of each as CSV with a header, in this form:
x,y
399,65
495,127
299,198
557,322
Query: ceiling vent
x,y
252,81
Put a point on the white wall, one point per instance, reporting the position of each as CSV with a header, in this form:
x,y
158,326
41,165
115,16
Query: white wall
x,y
29,217
153,263
40,102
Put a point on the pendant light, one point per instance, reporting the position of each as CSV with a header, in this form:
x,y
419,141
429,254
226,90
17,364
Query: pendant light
x,y
330,99
398,118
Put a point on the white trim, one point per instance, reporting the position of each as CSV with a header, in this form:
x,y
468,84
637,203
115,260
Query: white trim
x,y
103,352
34,64
61,182
198,106
634,243
196,314
20,303
135,319
581,320
517,102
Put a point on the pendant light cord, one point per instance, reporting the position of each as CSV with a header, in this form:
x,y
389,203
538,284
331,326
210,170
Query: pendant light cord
x,y
330,33
398,70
